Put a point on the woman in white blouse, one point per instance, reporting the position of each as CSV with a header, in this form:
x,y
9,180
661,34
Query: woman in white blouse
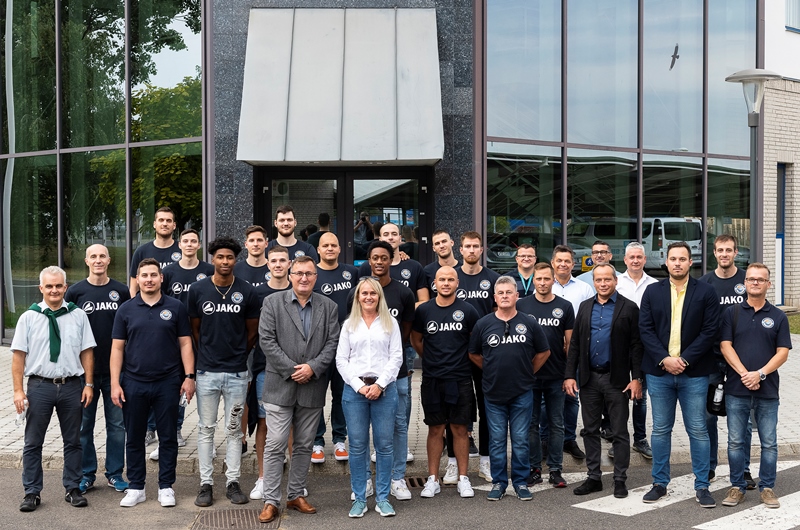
x,y
368,358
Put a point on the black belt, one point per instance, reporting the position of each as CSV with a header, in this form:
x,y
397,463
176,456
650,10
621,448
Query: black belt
x,y
598,370
56,380
369,380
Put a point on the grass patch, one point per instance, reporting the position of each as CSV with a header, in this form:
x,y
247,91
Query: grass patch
x,y
794,323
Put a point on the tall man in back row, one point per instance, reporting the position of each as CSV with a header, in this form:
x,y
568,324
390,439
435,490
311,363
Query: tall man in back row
x,y
164,249
678,324
286,223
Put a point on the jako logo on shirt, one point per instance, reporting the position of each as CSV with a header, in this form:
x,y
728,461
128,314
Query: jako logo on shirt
x,y
394,312
114,296
462,294
767,322
90,307
729,300
328,289
177,288
210,308
165,314
495,340
433,327
176,256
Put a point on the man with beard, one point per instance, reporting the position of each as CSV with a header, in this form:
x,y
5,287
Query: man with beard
x,y
164,249
286,223
443,248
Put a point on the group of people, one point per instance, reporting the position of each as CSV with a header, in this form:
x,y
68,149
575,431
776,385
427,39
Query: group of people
x,y
506,354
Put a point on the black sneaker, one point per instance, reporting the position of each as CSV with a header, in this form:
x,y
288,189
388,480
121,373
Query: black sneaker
x,y
473,449
30,502
705,499
205,497
535,477
590,486
655,493
75,498
572,448
234,493
606,435
557,480
748,478
620,489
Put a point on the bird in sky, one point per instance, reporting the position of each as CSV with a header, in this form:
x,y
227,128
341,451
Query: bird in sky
x,y
675,57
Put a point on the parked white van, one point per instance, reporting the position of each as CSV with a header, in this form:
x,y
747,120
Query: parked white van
x,y
657,234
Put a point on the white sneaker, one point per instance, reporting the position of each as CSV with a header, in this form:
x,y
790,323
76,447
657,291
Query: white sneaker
x,y
374,457
166,497
258,490
154,455
370,490
465,488
451,474
132,498
181,441
318,450
485,471
431,488
409,456
400,490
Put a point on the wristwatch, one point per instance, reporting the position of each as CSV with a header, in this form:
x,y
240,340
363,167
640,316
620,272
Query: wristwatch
x,y
90,385
762,375
382,389
190,376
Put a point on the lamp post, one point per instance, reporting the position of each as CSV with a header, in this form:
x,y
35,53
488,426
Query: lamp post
x,y
753,81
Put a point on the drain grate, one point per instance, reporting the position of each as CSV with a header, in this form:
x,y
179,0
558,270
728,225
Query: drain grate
x,y
416,482
237,519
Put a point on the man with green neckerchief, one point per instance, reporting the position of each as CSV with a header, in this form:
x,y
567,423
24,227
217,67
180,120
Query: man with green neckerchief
x,y
52,346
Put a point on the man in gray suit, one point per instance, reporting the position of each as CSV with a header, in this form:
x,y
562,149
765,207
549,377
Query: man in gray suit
x,y
299,332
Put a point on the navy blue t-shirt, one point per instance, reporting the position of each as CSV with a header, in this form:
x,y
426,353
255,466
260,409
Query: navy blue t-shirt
x,y
255,276
555,317
301,248
758,336
223,332
152,350
445,333
100,303
477,289
507,356
178,281
336,285
731,291
407,272
165,256
430,271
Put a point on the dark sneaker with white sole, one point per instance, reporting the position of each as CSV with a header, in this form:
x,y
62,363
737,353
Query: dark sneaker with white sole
x,y
234,493
75,498
30,502
703,496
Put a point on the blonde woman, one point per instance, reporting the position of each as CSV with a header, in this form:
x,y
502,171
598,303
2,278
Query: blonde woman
x,y
369,356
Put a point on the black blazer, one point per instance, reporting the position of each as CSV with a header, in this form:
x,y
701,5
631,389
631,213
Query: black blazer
x,y
626,346
699,323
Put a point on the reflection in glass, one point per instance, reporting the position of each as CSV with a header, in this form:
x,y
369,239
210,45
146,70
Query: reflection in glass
x,y
94,210
523,202
602,72
309,198
673,193
673,75
386,201
93,76
731,47
33,230
29,111
524,69
165,69
729,206
601,202
166,175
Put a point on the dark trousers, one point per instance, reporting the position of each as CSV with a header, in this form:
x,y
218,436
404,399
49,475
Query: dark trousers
x,y
483,426
163,396
595,394
43,397
338,422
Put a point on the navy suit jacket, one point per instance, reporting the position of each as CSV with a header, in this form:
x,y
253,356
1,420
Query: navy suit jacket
x,y
698,327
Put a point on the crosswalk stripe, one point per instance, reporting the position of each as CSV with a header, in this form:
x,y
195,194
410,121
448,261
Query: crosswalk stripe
x,y
680,489
784,518
571,478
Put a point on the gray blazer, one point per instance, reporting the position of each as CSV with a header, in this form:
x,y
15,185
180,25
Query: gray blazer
x,y
281,338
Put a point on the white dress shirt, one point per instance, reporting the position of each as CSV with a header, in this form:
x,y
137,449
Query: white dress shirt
x,y
574,291
629,288
369,352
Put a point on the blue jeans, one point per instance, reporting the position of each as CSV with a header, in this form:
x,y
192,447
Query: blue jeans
x,y
232,387
551,396
115,433
360,413
716,378
739,435
665,392
400,441
514,416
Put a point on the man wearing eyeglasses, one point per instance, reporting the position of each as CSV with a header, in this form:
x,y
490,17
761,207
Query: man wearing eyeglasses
x,y
728,281
298,332
523,274
755,342
601,254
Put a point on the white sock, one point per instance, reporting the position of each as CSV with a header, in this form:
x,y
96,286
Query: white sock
x,y
484,459
463,477
451,461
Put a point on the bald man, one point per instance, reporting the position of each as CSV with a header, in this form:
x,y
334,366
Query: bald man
x,y
440,335
99,296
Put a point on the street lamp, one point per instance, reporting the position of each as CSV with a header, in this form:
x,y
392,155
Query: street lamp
x,y
753,81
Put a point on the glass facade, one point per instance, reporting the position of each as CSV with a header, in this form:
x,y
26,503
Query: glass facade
x,y
655,141
68,165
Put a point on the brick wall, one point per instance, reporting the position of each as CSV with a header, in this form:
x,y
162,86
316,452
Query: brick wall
x,y
782,146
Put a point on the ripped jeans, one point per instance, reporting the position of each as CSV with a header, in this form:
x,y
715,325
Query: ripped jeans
x,y
232,387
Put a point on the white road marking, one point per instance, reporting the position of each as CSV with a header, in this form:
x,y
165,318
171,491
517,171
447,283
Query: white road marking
x,y
783,518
